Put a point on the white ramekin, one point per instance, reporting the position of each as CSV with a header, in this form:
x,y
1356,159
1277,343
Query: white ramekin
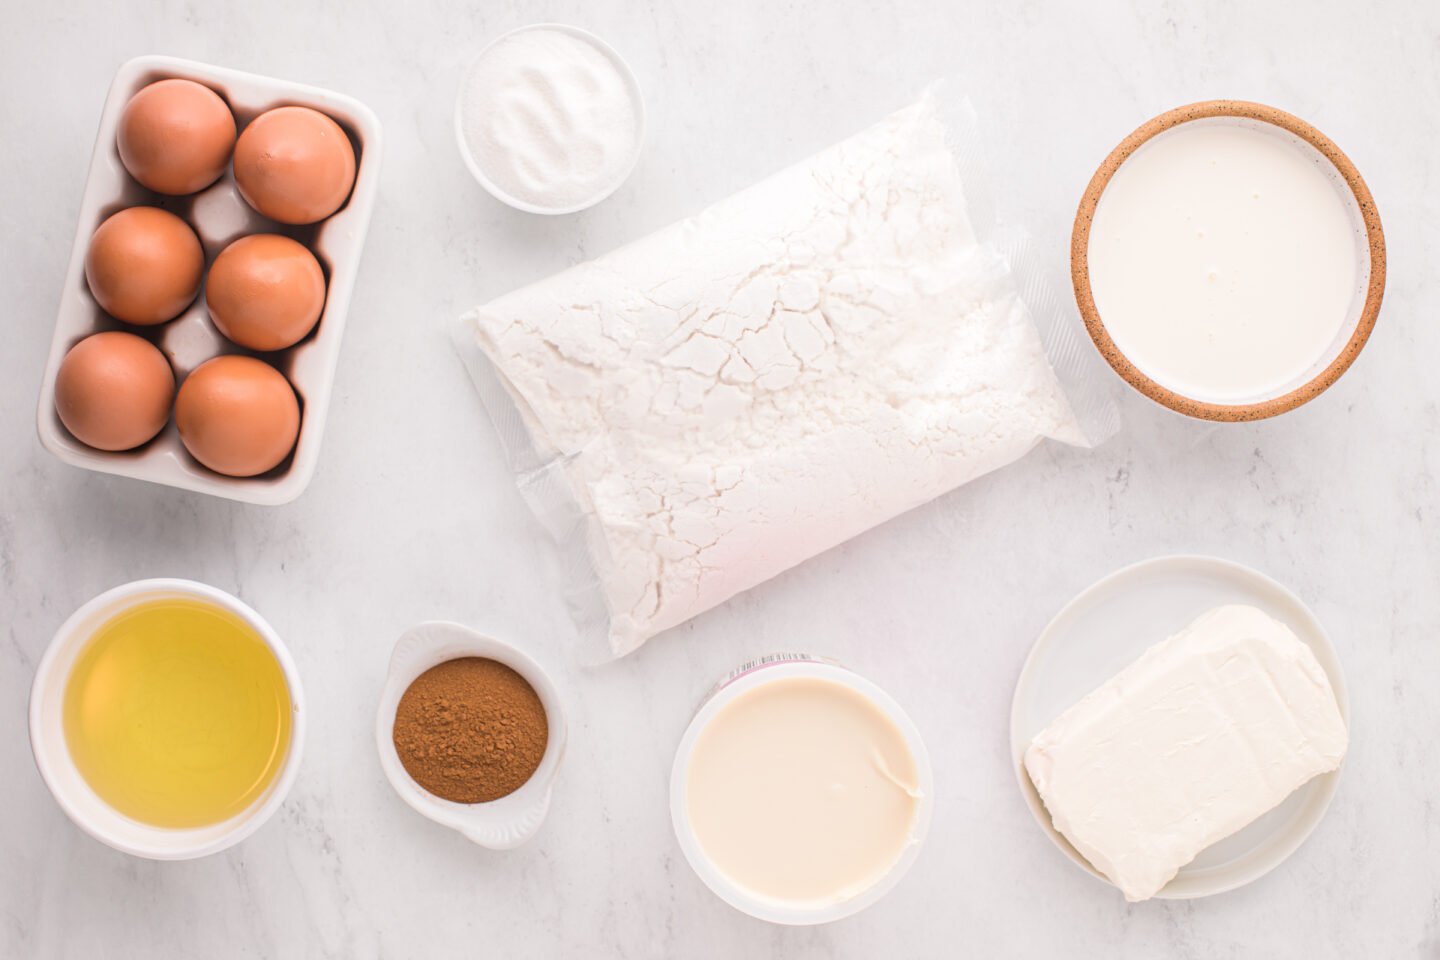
x,y
52,755
499,824
524,205
747,677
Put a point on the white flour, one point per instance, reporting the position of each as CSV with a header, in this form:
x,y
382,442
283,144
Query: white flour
x,y
550,118
754,385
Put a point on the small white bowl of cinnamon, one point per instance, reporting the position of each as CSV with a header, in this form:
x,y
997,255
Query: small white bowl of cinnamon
x,y
470,732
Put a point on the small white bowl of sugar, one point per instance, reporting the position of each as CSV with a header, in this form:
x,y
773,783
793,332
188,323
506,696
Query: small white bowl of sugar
x,y
549,119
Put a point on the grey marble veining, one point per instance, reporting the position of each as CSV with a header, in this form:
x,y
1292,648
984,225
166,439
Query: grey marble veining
x,y
412,514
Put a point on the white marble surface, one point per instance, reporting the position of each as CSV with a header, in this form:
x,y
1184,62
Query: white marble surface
x,y
412,514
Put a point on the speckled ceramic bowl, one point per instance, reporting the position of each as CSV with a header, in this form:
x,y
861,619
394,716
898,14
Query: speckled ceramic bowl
x,y
1358,326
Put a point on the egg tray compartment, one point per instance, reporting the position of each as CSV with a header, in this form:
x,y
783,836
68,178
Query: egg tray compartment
x,y
219,215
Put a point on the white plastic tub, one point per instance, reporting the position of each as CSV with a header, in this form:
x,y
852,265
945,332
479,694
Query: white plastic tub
x,y
747,677
219,215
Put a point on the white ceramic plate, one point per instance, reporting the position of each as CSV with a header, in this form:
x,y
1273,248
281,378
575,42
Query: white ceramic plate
x,y
1109,625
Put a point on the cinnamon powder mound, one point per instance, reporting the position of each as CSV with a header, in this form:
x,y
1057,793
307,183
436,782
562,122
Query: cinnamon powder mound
x,y
470,730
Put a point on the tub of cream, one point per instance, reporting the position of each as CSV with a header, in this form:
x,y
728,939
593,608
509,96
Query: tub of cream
x,y
801,791
1228,260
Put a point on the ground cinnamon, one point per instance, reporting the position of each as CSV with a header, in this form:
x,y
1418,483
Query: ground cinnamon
x,y
470,730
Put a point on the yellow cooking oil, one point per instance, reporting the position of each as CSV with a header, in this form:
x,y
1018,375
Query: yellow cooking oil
x,y
177,713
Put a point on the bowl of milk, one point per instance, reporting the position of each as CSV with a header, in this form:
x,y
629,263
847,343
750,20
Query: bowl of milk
x,y
1228,261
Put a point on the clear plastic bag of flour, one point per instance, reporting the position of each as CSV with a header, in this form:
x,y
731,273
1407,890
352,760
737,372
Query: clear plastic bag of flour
x,y
704,408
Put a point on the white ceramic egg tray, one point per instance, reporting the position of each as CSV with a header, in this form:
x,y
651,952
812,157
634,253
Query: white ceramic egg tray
x,y
219,215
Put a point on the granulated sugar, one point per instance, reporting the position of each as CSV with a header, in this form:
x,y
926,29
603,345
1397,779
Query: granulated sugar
x,y
550,118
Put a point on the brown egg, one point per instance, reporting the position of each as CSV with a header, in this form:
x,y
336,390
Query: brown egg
x,y
294,165
144,265
237,415
265,291
113,390
176,136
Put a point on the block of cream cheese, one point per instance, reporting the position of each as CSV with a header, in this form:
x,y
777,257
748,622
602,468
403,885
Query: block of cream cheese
x,y
1204,733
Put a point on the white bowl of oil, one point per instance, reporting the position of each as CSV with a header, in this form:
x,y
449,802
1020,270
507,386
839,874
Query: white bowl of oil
x,y
167,719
